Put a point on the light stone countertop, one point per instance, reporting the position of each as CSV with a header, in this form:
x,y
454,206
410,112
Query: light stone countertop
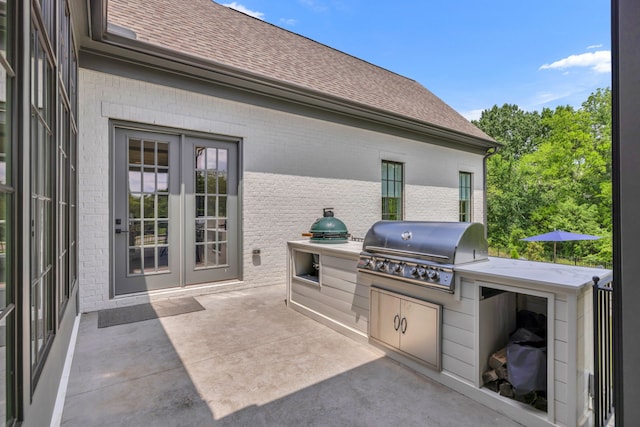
x,y
350,247
526,273
535,273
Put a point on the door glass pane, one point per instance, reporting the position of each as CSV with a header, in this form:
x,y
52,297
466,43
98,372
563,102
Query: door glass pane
x,y
149,153
163,206
149,260
148,240
163,259
163,180
200,182
163,154
134,206
135,152
210,183
149,180
211,206
135,261
135,179
149,206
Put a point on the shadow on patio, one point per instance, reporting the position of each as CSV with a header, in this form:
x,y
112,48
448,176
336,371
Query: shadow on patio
x,y
247,360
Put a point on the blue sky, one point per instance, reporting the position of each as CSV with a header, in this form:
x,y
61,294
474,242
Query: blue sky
x,y
473,54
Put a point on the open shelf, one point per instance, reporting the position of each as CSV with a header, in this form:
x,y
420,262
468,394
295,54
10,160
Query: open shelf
x,y
306,266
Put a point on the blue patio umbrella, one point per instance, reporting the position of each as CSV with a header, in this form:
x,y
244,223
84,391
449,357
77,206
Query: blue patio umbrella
x,y
559,236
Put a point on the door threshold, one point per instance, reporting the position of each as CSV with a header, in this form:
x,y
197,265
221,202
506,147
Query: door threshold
x,y
189,290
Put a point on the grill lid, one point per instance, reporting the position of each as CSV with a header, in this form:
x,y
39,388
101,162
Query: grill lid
x,y
328,229
441,242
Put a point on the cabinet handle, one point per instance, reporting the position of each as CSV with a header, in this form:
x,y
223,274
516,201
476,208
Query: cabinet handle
x,y
403,322
396,322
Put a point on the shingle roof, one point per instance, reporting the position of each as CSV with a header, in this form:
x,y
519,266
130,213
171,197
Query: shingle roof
x,y
212,32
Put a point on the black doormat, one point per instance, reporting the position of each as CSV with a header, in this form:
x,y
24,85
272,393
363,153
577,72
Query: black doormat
x,y
154,310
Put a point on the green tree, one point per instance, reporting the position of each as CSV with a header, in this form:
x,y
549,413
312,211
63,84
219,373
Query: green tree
x,y
509,199
553,172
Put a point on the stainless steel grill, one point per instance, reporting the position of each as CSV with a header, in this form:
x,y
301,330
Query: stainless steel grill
x,y
421,252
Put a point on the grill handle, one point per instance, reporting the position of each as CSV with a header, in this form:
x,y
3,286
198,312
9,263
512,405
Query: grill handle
x,y
396,322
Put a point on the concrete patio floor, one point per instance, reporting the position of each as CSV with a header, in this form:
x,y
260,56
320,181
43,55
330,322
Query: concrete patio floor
x,y
248,360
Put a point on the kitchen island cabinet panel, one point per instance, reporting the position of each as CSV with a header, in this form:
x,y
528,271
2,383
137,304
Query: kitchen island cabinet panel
x,y
457,335
338,300
337,312
474,323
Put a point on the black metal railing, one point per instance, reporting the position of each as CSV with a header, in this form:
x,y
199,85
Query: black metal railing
x,y
602,392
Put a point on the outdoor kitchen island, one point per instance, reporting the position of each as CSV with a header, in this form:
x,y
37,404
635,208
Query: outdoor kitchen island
x,y
473,320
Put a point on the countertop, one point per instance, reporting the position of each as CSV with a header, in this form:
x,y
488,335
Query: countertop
x,y
528,273
536,273
350,247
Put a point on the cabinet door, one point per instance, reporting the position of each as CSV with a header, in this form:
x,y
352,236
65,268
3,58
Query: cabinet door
x,y
385,318
419,332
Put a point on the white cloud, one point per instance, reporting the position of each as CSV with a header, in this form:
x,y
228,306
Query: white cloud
x,y
241,8
594,46
472,115
543,98
314,5
599,61
290,22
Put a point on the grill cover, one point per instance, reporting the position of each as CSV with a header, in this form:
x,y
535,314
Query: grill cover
x,y
441,242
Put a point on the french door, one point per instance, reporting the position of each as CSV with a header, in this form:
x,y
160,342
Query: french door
x,y
175,211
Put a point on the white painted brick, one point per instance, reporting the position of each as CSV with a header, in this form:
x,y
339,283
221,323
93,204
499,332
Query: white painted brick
x,y
293,166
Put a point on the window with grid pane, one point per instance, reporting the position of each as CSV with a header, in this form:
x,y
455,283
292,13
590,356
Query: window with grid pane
x,y
465,197
392,190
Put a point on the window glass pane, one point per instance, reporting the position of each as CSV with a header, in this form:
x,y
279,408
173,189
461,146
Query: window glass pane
x,y
3,254
392,185
465,196
5,152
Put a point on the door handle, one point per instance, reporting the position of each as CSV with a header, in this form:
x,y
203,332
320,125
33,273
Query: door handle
x,y
118,231
403,322
396,322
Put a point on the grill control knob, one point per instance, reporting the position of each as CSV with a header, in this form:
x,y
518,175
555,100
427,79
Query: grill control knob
x,y
366,263
379,265
397,268
421,271
414,271
433,274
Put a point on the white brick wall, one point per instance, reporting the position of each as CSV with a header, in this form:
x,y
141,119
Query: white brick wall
x,y
293,166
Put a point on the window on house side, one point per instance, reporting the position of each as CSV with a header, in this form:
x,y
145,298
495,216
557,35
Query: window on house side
x,y
392,190
465,197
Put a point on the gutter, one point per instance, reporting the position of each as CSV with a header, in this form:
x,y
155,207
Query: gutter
x,y
490,152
